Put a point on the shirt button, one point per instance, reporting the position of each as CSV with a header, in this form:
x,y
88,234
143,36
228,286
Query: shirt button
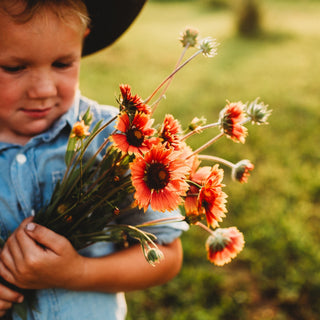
x,y
21,158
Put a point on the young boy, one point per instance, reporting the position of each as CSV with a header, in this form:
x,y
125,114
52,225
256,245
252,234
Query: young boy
x,y
41,44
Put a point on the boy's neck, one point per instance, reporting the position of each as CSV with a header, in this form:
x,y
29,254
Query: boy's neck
x,y
15,139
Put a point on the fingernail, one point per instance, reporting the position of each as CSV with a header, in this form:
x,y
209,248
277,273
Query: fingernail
x,y
30,226
20,299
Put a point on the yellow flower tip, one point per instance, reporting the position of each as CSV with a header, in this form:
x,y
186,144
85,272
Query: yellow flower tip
x,y
189,37
80,130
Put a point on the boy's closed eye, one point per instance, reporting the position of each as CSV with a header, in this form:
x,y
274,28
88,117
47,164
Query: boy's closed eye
x,y
13,69
62,65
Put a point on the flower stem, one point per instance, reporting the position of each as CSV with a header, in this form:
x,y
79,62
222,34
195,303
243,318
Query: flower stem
x,y
170,76
170,79
206,145
160,221
201,225
67,189
216,159
210,125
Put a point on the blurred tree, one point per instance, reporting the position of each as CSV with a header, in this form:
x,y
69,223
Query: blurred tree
x,y
216,4
248,16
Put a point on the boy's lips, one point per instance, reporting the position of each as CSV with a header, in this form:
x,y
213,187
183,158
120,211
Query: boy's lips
x,y
37,112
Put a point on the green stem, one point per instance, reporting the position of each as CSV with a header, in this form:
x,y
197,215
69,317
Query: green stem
x,y
64,185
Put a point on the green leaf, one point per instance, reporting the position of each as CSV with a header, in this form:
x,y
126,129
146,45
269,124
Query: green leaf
x,y
87,117
21,309
71,150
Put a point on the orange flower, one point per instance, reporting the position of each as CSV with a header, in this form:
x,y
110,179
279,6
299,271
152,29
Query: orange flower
x,y
169,132
212,199
231,117
134,137
240,171
80,130
131,103
224,245
159,179
187,154
197,177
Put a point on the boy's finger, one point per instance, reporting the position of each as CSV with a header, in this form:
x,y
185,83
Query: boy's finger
x,y
46,237
9,295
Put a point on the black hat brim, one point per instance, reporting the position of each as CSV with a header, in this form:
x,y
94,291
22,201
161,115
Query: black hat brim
x,y
109,20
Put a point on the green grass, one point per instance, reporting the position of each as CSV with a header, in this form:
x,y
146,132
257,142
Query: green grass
x,y
276,276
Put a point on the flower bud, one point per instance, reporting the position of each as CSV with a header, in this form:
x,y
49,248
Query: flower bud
x,y
208,47
257,112
154,255
196,123
231,118
240,171
62,208
189,37
223,245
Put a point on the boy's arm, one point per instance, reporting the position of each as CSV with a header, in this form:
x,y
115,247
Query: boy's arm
x,y
55,263
128,270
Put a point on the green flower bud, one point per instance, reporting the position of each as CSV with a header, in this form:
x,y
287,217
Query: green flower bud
x,y
189,37
154,255
257,112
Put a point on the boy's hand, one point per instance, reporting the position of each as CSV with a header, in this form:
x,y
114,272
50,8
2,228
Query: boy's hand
x,y
35,257
7,298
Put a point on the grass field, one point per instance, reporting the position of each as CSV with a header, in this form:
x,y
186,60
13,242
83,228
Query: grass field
x,y
277,274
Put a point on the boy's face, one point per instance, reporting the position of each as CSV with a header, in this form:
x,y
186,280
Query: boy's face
x,y
39,69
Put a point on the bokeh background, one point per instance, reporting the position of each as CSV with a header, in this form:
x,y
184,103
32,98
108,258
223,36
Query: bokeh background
x,y
268,49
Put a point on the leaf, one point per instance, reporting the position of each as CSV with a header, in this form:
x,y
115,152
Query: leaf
x,y
87,117
21,309
71,150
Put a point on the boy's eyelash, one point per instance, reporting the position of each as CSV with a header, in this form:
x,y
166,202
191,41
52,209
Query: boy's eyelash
x,y
13,69
61,65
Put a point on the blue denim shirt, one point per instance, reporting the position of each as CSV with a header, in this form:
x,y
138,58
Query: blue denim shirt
x,y
28,175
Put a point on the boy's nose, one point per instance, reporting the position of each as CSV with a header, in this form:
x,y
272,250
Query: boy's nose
x,y
41,87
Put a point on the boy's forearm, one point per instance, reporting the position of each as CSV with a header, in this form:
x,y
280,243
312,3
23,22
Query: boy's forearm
x,y
128,270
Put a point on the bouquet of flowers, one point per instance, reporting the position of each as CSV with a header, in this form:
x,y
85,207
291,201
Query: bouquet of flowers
x,y
154,165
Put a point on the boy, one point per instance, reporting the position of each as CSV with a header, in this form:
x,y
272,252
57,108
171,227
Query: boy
x,y
41,44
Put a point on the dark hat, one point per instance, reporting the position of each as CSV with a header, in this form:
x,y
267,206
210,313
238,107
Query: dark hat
x,y
109,19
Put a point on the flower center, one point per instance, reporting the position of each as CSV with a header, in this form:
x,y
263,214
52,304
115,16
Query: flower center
x,y
157,176
135,137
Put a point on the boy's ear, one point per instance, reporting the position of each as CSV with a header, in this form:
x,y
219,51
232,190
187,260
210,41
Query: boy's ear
x,y
86,33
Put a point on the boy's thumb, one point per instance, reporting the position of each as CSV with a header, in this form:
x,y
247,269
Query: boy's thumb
x,y
30,226
45,237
